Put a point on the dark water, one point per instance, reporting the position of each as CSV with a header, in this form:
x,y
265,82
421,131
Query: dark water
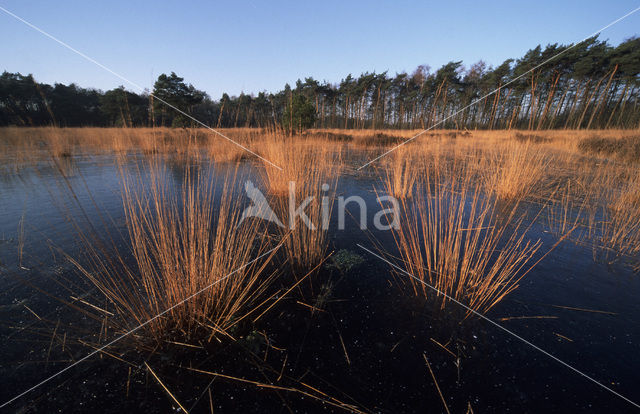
x,y
366,348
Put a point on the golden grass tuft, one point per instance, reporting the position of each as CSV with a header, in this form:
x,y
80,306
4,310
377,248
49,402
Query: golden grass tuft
x,y
184,239
306,165
620,225
514,170
401,172
453,238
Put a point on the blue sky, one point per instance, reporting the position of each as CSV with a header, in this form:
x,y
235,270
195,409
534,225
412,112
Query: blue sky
x,y
251,46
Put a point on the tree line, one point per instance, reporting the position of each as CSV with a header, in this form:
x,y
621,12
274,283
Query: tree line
x,y
590,85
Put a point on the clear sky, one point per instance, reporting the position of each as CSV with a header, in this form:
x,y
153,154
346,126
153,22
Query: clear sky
x,y
251,46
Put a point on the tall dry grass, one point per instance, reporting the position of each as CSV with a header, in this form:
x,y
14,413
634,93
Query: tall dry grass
x,y
508,164
184,238
310,169
401,171
514,170
300,161
33,144
457,240
619,228
600,197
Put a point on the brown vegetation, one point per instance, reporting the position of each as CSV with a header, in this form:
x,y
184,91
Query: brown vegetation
x,y
455,239
626,149
306,166
556,170
189,248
